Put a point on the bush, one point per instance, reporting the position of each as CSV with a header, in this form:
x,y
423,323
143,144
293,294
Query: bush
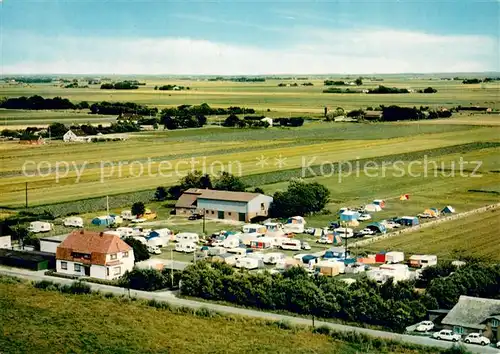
x,y
323,329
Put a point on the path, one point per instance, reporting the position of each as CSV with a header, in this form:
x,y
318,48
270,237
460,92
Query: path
x,y
173,300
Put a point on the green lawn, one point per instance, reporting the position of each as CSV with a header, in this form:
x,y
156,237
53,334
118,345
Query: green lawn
x,y
38,321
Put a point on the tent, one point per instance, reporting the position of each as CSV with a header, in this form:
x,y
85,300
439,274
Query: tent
x,y
436,210
448,210
103,221
377,227
408,220
404,197
352,223
379,202
349,215
372,208
431,212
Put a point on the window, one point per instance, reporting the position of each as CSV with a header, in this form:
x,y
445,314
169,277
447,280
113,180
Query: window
x,y
78,268
64,265
114,256
117,270
107,271
495,323
262,206
80,255
229,213
125,255
206,212
213,212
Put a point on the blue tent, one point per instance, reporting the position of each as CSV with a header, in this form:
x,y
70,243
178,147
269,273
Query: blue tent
x,y
349,215
377,227
307,258
448,210
103,221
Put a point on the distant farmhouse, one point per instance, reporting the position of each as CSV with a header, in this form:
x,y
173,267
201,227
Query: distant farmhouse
x,y
76,136
214,204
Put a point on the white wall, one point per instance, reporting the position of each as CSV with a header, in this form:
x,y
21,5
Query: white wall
x,y
5,242
254,206
70,268
49,246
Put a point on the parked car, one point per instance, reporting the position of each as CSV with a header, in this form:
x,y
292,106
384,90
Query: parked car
x,y
305,246
309,230
367,232
364,217
446,334
195,217
324,240
476,338
393,225
154,250
425,216
425,326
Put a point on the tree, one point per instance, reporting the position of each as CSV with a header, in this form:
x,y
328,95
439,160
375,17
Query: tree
x,y
140,250
229,182
175,192
299,199
138,208
258,190
195,180
161,193
429,90
358,81
57,130
231,121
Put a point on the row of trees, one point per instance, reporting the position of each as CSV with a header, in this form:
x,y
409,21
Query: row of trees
x,y
358,82
120,108
29,80
36,103
122,85
183,121
171,87
196,179
391,305
339,90
204,109
386,90
253,122
149,279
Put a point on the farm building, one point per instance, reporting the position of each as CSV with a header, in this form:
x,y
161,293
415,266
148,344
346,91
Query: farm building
x,y
268,121
27,260
474,314
238,206
373,115
76,136
95,254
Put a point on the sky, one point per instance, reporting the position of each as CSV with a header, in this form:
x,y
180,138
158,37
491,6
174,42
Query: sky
x,y
249,38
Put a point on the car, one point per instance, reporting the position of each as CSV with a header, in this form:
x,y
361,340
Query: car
x,y
367,232
498,345
364,217
393,225
324,240
309,230
476,338
154,250
138,220
359,234
425,326
305,246
195,217
425,216
446,334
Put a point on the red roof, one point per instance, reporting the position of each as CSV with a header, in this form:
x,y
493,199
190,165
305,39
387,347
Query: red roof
x,y
97,244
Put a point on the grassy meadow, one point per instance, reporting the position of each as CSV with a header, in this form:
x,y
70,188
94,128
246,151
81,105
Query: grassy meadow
x,y
132,327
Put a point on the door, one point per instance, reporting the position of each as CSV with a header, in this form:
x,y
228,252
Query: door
x,y
220,214
241,217
87,271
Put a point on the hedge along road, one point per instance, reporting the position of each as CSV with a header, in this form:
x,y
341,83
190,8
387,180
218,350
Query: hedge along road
x,y
173,300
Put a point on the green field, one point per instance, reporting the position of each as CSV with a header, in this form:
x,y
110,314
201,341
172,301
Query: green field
x,y
476,236
132,327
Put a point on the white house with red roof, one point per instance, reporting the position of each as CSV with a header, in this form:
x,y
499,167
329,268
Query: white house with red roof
x,y
94,254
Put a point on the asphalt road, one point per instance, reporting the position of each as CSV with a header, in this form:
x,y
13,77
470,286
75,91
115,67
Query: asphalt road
x,y
173,300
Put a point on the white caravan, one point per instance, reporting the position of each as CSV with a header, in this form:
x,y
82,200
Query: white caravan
x,y
187,237
125,231
73,221
295,224
39,226
127,215
273,257
248,263
254,228
294,245
186,247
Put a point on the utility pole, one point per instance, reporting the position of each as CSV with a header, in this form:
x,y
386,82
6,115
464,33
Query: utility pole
x,y
26,194
345,233
204,213
172,266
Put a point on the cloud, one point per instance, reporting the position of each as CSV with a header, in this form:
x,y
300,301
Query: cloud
x,y
314,51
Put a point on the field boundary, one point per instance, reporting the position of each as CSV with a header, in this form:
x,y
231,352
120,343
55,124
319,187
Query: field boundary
x,y
426,225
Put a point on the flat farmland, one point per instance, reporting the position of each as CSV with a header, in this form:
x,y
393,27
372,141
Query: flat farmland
x,y
267,95
476,235
169,155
